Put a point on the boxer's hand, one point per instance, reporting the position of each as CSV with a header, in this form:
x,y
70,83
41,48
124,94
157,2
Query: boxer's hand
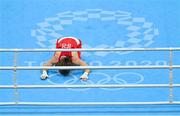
x,y
44,75
84,77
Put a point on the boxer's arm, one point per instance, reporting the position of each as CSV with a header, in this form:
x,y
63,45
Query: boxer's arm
x,y
53,60
78,61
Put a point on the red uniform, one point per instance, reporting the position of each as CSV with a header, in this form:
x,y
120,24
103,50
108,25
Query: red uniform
x,y
68,43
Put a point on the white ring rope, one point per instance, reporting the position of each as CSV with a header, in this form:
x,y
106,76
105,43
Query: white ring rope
x,y
89,67
92,49
87,103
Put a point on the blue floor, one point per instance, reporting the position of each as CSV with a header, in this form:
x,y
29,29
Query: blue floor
x,y
99,24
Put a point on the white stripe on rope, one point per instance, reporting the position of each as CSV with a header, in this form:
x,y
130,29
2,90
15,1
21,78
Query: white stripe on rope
x,y
91,50
87,103
86,67
90,86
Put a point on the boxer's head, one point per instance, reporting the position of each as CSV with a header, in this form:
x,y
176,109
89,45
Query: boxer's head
x,y
64,61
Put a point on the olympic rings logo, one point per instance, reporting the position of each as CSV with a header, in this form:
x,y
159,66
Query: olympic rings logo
x,y
138,31
120,78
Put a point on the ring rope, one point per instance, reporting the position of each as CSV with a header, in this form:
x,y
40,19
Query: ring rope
x,y
87,103
91,50
88,67
91,86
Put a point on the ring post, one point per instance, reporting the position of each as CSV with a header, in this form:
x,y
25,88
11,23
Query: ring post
x,y
16,94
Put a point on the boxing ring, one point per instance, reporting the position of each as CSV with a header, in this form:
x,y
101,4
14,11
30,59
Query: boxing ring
x,y
132,48
16,87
